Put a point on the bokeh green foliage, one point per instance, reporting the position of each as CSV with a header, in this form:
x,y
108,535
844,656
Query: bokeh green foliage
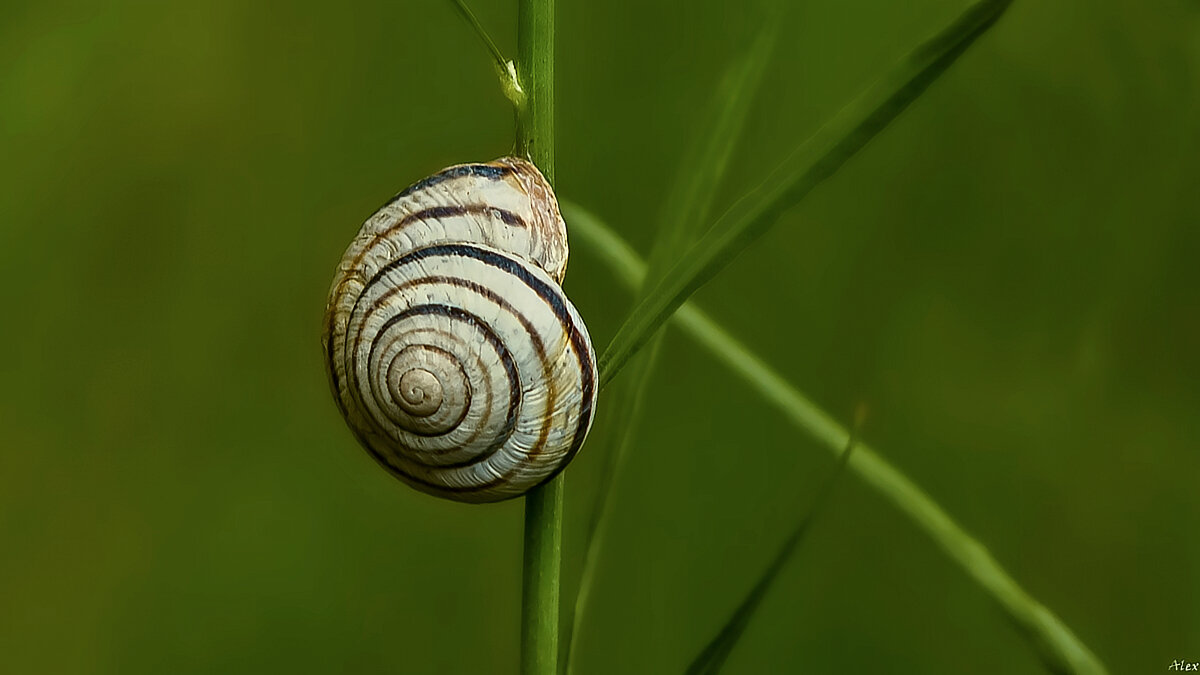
x,y
1007,276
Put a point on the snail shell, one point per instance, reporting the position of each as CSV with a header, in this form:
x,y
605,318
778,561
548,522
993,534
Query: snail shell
x,y
453,354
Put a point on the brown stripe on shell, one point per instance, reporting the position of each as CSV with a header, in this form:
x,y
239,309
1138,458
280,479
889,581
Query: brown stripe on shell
x,y
548,237
486,397
539,346
453,359
552,296
505,358
434,212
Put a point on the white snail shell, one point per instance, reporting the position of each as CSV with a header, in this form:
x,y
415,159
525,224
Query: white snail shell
x,y
453,354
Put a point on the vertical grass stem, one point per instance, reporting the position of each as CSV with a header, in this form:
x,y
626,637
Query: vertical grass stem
x,y
543,505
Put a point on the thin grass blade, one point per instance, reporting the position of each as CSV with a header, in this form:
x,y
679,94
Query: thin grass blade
x,y
814,161
710,659
702,169
1052,640
687,206
506,70
480,31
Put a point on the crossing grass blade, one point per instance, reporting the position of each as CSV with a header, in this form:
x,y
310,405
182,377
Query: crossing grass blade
x,y
815,160
686,208
1053,641
710,659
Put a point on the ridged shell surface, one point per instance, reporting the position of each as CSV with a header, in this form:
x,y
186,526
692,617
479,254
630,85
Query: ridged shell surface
x,y
453,354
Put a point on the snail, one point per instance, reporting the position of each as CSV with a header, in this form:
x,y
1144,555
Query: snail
x,y
455,357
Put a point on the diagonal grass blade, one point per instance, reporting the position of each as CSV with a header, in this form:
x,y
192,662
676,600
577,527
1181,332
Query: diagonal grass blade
x,y
710,659
1052,640
815,160
685,209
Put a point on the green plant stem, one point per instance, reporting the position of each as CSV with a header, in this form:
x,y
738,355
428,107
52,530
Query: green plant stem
x,y
543,505
535,59
539,596
1053,641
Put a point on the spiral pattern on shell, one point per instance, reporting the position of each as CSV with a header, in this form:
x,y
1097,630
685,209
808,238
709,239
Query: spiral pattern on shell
x,y
453,354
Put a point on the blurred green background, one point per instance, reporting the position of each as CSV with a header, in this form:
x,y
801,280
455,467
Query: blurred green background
x,y
1007,276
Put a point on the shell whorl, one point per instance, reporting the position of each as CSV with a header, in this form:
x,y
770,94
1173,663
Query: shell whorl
x,y
454,355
